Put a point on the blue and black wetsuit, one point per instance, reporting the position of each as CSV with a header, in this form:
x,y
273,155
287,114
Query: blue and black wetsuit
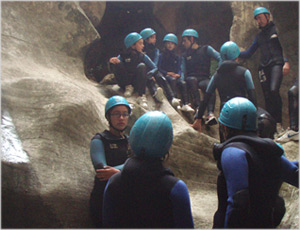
x,y
170,62
133,70
196,72
270,67
231,80
252,171
146,195
154,53
108,150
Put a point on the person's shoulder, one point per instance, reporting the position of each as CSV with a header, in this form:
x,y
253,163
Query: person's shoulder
x,y
114,182
98,136
232,152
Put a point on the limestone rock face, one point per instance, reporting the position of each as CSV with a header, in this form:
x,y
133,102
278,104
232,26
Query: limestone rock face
x,y
94,11
55,111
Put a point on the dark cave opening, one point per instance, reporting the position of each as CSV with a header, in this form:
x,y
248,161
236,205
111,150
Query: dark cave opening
x,y
121,18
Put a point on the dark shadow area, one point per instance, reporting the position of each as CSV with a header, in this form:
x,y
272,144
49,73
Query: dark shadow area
x,y
21,210
121,18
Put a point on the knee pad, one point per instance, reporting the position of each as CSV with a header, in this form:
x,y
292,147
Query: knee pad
x,y
141,66
293,91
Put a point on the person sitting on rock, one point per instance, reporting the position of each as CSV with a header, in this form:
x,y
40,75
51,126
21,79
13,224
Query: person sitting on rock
x,y
109,151
145,194
231,80
130,69
196,70
169,65
149,37
252,170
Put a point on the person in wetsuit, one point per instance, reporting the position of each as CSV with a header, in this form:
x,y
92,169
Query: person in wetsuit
x,y
252,170
272,66
292,134
132,69
145,194
196,69
149,37
231,80
169,65
109,151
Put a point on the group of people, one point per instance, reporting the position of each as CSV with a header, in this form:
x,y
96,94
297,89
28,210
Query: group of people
x,y
132,187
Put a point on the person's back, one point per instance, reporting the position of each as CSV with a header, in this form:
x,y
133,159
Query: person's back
x,y
230,80
254,206
252,171
142,193
146,194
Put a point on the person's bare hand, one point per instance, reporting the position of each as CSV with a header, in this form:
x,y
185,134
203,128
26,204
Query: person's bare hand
x,y
114,60
286,69
105,173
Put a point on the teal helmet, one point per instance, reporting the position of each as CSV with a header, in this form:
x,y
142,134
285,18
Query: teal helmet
x,y
146,33
260,10
171,38
239,113
131,39
190,33
114,101
152,135
229,51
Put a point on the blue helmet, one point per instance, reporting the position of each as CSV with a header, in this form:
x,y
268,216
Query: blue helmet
x,y
114,101
239,113
190,33
229,51
260,10
146,33
131,39
171,38
151,135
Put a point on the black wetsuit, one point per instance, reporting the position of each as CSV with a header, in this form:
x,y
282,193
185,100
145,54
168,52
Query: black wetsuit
x,y
196,71
270,68
170,62
293,95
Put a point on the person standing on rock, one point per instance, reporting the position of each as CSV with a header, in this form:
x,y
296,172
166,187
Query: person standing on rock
x,y
292,134
231,80
149,37
196,69
109,150
272,65
252,171
132,69
169,64
145,194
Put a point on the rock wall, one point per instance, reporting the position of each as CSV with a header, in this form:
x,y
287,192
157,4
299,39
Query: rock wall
x,y
56,110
